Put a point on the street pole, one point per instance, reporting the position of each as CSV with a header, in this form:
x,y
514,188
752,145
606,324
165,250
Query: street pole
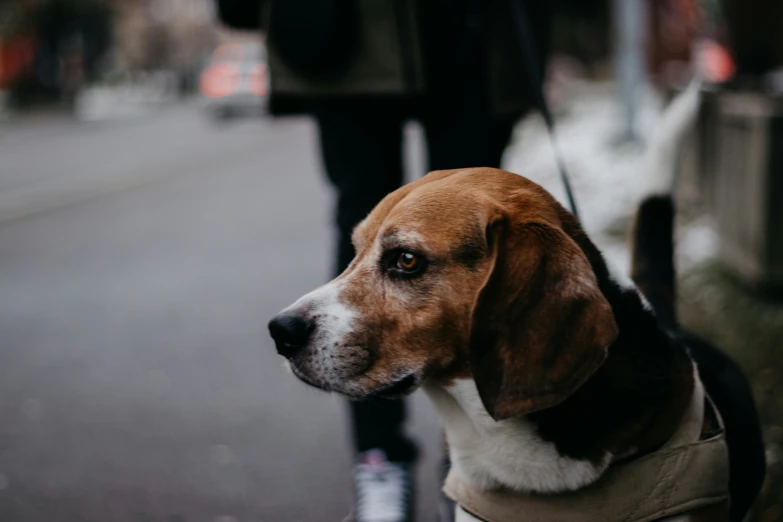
x,y
629,17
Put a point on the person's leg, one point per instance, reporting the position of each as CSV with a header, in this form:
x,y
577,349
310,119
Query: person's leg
x,y
466,137
362,155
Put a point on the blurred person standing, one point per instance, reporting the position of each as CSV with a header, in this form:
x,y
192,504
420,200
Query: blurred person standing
x,y
362,68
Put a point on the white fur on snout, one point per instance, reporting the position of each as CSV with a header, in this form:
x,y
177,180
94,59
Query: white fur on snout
x,y
328,360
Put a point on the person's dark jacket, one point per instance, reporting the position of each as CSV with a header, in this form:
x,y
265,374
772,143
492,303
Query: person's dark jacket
x,y
359,49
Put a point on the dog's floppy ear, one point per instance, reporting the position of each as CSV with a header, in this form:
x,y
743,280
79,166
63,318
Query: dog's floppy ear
x,y
540,325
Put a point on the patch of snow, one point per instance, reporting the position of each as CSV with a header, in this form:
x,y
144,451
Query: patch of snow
x,y
606,174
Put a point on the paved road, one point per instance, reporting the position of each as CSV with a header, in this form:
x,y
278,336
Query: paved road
x,y
139,264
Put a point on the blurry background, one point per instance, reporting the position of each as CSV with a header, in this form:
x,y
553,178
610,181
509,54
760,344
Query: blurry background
x,y
153,218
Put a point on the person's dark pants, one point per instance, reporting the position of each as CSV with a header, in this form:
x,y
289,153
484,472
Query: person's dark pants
x,y
361,144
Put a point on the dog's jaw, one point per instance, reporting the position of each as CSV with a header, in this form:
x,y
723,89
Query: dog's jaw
x,y
490,454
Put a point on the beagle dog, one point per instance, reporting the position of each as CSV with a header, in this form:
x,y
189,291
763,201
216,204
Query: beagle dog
x,y
477,286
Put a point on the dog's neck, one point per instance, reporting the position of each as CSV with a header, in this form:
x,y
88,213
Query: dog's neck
x,y
509,453
630,406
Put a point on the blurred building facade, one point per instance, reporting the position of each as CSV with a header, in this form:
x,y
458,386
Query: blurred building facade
x,y
49,49
163,34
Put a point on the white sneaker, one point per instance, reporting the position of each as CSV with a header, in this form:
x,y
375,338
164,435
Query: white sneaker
x,y
384,489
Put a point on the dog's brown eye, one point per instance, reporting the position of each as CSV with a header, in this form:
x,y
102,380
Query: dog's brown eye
x,y
407,261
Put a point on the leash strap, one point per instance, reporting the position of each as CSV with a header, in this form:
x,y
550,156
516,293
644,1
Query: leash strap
x,y
537,85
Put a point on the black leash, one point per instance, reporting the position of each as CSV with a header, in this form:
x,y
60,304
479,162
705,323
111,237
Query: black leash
x,y
537,85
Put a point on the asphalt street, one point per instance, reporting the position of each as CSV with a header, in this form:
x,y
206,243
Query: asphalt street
x,y
140,262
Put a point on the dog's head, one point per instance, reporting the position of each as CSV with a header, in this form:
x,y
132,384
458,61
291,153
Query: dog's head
x,y
465,273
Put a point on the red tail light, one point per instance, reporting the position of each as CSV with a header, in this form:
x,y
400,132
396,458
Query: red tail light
x,y
715,61
219,81
257,80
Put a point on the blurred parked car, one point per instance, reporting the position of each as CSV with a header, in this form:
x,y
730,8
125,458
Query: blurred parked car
x,y
235,83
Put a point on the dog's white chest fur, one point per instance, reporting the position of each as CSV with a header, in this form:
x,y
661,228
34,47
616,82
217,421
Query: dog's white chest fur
x,y
507,453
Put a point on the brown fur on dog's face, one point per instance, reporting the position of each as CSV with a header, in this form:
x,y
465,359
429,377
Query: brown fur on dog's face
x,y
497,291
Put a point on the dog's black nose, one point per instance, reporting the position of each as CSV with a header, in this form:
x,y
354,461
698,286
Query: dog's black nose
x,y
291,332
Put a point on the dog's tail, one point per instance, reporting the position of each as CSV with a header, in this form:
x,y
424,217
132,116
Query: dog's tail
x,y
652,236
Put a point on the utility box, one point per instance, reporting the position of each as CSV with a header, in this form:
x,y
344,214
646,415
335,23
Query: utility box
x,y
747,187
